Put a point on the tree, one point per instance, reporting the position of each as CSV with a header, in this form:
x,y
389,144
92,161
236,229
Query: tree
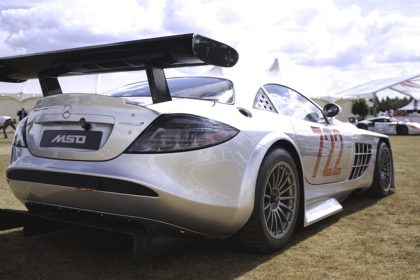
x,y
360,107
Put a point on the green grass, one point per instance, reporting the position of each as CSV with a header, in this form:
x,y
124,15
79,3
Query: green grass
x,y
370,239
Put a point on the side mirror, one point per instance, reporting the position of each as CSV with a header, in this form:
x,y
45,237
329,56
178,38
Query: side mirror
x,y
331,110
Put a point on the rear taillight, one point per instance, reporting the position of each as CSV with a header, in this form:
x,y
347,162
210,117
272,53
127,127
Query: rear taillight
x,y
181,132
19,140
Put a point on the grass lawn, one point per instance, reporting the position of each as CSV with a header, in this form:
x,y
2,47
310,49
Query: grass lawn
x,y
370,239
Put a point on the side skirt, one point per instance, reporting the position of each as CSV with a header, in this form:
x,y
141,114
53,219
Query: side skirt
x,y
321,210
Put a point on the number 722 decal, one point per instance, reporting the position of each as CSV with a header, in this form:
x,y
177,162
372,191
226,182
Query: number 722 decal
x,y
334,135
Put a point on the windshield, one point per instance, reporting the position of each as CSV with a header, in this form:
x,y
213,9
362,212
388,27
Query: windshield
x,y
207,88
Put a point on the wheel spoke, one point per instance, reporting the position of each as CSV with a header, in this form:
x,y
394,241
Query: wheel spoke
x,y
284,183
270,186
276,177
273,179
275,222
287,198
285,206
272,220
280,179
269,215
284,215
285,190
279,218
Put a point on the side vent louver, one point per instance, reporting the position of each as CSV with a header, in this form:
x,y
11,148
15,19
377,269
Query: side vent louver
x,y
362,156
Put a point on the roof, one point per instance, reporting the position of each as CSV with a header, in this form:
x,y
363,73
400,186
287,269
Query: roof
x,y
368,89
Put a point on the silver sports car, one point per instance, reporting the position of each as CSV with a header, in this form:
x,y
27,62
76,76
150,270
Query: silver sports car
x,y
203,156
388,125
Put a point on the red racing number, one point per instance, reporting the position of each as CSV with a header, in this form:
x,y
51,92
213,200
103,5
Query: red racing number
x,y
326,134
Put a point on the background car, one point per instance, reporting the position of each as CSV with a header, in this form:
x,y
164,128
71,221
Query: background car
x,y
388,125
208,157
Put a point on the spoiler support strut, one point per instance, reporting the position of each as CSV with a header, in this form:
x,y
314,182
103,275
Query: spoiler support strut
x,y
158,85
49,85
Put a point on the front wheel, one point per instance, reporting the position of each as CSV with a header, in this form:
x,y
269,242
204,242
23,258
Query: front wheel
x,y
276,204
383,176
362,126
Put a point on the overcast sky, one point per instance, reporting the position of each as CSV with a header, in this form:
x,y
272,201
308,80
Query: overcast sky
x,y
322,46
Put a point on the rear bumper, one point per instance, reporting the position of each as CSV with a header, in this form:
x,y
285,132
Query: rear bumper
x,y
208,192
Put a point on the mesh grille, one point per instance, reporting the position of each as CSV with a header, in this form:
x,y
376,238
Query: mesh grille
x,y
262,102
362,156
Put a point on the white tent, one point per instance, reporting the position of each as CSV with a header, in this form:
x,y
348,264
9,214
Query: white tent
x,y
412,106
14,96
371,88
410,88
404,85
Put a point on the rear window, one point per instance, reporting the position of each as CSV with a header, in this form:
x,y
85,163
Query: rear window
x,y
206,88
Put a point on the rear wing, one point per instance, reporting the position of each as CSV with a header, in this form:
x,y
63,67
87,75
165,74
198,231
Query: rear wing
x,y
152,55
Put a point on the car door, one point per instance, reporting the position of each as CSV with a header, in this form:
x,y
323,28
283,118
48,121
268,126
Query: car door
x,y
380,125
325,147
384,126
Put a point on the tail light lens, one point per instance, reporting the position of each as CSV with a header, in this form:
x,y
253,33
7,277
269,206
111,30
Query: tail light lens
x,y
19,140
180,132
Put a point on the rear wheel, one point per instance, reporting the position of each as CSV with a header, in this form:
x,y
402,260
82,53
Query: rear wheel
x,y
383,178
402,130
276,206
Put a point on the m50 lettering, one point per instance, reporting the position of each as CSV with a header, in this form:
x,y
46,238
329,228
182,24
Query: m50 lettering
x,y
69,139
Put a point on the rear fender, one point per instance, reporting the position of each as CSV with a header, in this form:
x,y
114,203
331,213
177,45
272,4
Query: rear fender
x,y
265,145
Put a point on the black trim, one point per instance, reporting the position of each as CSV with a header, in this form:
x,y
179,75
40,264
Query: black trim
x,y
84,218
80,182
40,214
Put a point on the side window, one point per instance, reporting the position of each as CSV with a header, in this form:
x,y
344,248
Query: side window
x,y
263,102
291,103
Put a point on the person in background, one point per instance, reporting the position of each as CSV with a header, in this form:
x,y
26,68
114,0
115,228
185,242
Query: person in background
x,y
5,122
22,114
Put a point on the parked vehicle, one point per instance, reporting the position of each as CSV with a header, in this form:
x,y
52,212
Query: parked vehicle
x,y
200,156
389,125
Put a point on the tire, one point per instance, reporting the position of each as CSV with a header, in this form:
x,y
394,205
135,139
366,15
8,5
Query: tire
x,y
383,176
276,204
402,130
362,126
